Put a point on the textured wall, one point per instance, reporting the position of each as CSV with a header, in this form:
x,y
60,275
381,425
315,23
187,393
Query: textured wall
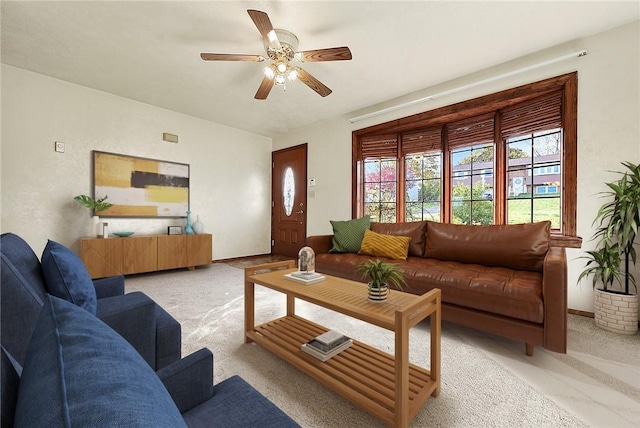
x,y
608,131
230,169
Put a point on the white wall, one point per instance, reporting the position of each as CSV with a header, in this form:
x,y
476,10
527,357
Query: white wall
x,y
230,169
608,131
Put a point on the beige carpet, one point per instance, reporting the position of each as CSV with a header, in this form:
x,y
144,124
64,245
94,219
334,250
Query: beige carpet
x,y
476,391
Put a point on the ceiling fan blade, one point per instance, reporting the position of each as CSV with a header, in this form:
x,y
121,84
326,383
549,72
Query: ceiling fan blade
x,y
230,57
263,23
330,54
264,89
312,82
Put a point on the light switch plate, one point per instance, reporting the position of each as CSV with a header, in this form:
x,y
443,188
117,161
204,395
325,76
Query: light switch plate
x,y
59,146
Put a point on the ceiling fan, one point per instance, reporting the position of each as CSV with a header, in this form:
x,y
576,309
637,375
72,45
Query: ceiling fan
x,y
281,47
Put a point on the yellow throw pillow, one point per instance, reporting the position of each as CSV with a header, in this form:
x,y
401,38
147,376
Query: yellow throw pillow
x,y
389,246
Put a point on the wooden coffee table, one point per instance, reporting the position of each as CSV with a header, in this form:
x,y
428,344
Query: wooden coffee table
x,y
387,386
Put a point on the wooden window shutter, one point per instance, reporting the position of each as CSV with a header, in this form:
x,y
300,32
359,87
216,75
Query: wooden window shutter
x,y
379,146
422,141
475,130
539,114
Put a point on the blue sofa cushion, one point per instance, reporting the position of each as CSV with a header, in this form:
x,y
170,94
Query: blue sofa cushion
x,y
236,404
80,372
67,277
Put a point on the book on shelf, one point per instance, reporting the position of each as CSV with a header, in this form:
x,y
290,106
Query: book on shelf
x,y
324,351
330,337
305,278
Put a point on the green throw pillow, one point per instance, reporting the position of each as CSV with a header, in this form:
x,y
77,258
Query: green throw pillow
x,y
347,235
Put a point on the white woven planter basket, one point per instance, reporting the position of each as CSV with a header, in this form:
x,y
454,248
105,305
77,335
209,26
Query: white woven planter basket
x,y
616,312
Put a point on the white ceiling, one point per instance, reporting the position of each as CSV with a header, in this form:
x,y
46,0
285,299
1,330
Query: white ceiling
x,y
150,51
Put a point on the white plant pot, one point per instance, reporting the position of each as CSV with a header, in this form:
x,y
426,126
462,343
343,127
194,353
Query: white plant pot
x,y
615,312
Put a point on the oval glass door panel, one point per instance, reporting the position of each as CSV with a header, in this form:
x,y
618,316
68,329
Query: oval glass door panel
x,y
288,190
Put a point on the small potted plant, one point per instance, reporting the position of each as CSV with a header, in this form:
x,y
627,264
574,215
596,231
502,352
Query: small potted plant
x,y
381,275
96,206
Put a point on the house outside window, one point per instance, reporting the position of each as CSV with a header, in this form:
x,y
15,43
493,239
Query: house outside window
x,y
512,159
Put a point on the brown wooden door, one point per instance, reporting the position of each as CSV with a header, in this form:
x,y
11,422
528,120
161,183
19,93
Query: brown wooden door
x,y
289,203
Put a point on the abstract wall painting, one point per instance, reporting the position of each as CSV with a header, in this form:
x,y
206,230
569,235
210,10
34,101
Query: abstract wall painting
x,y
141,187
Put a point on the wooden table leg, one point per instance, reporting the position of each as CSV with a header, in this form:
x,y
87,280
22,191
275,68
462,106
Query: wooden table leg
x,y
402,370
249,310
435,320
291,305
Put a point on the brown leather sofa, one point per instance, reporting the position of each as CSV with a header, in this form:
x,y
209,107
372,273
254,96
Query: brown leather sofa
x,y
503,279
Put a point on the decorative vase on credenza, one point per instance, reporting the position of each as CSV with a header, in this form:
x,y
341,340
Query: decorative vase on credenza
x,y
188,229
198,226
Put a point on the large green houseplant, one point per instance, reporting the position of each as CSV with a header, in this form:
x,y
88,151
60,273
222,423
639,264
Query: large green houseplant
x,y
617,223
381,275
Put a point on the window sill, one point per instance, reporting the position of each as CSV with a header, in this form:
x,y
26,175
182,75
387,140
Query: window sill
x,y
566,241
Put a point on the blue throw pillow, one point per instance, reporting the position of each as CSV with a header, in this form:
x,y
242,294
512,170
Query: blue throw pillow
x,y
79,372
67,277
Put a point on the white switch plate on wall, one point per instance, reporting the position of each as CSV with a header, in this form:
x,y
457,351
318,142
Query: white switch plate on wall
x,y
59,146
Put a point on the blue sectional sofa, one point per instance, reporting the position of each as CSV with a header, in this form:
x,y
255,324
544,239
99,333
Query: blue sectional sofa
x,y
79,372
104,360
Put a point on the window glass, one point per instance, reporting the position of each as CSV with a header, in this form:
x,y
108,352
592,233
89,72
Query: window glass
x,y
423,186
380,198
472,184
533,174
288,190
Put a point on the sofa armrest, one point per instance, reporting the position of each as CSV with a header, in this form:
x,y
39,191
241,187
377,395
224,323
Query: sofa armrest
x,y
132,316
554,295
109,287
190,380
321,244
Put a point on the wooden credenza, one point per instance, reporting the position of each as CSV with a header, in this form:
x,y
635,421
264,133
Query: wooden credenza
x,y
147,253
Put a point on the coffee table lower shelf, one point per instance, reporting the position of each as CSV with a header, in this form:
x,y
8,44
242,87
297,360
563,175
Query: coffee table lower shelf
x,y
362,374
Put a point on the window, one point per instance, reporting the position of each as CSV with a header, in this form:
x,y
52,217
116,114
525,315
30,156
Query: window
x,y
525,201
380,178
423,186
504,158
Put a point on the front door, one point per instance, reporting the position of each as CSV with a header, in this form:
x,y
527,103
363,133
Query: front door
x,y
289,203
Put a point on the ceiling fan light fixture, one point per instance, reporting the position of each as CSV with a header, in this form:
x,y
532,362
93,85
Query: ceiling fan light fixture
x,y
269,72
293,74
272,36
282,67
287,39
280,80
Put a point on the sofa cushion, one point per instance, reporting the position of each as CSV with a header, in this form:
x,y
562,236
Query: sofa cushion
x,y
80,372
389,246
515,246
238,404
348,235
67,277
416,230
